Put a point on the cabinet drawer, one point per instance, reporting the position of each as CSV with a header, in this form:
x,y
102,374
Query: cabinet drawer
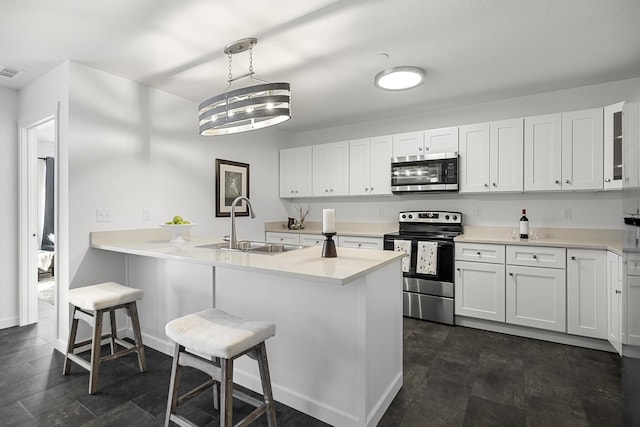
x,y
633,264
360,242
480,252
311,239
537,256
289,238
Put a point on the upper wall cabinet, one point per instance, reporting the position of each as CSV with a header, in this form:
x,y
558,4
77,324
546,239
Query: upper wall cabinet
x,y
408,144
613,146
564,151
370,166
331,169
295,172
443,140
491,157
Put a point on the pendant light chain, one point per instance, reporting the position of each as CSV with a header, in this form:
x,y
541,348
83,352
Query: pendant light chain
x,y
230,76
251,59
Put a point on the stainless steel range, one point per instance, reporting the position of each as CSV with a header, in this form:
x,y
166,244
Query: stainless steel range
x,y
426,237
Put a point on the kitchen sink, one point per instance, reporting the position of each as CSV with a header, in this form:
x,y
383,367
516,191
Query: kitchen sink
x,y
250,246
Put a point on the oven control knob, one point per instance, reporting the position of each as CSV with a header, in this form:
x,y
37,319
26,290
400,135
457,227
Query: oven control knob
x,y
455,217
410,216
446,217
404,216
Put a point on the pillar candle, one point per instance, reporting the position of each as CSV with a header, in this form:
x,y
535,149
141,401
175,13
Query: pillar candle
x,y
328,221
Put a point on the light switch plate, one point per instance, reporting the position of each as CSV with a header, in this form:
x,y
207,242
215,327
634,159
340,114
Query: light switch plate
x,y
103,215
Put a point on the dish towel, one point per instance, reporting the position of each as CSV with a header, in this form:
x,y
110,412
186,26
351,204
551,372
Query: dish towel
x,y
405,247
427,258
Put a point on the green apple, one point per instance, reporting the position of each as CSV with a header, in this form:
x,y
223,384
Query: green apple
x,y
177,219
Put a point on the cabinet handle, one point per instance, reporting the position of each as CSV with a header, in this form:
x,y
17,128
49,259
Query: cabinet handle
x,y
331,190
478,253
486,185
535,256
566,181
326,190
427,148
458,268
607,180
494,184
366,189
573,258
291,191
359,245
419,148
511,274
296,191
370,188
557,181
618,291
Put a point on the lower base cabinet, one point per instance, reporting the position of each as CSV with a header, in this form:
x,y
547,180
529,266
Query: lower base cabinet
x,y
479,290
536,297
587,293
614,301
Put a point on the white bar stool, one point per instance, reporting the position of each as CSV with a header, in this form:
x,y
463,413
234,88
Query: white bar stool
x,y
226,337
89,304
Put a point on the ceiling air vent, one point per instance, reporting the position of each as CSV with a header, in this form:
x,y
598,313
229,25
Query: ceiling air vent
x,y
10,72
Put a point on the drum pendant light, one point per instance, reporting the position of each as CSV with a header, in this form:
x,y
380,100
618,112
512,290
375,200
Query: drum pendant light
x,y
248,108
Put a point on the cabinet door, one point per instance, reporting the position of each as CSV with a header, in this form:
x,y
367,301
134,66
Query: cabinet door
x,y
582,150
587,293
288,238
360,242
408,144
443,140
536,297
631,301
630,144
331,169
479,290
295,172
360,167
613,146
473,165
380,170
542,153
614,300
506,148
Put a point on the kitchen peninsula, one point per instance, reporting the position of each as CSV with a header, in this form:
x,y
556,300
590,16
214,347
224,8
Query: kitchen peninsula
x,y
337,352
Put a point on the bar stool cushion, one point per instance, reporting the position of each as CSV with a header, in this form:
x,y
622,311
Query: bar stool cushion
x,y
217,333
103,295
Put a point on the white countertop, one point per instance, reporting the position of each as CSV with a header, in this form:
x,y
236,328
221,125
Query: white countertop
x,y
575,238
306,263
364,229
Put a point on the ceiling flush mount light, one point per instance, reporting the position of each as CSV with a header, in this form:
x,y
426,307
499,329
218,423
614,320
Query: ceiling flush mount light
x,y
248,108
399,78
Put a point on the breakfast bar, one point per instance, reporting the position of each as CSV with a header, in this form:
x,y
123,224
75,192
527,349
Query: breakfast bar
x,y
337,352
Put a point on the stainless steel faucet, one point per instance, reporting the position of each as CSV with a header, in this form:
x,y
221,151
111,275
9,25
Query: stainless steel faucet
x,y
233,241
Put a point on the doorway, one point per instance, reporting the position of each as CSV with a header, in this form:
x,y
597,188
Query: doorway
x,y
38,228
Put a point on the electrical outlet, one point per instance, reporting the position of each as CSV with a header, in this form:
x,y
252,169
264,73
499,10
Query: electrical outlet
x,y
381,213
566,214
478,211
146,214
103,215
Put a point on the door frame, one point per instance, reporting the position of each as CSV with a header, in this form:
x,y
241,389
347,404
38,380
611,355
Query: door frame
x,y
27,222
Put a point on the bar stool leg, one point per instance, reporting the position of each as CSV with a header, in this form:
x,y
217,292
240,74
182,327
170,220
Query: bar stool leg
x,y
226,392
135,322
174,385
265,377
71,343
95,351
114,330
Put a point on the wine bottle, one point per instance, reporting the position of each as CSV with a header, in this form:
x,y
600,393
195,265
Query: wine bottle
x,y
524,225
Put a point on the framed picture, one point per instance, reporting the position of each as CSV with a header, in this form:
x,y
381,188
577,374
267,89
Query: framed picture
x,y
232,180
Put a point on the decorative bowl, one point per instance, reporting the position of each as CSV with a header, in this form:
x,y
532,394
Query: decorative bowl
x,y
177,230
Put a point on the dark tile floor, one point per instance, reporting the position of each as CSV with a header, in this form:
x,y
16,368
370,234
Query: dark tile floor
x,y
452,376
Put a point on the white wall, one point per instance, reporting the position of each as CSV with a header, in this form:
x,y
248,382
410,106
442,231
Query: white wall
x,y
132,147
589,210
9,211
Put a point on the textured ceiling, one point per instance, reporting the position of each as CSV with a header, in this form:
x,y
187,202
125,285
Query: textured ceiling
x,y
473,50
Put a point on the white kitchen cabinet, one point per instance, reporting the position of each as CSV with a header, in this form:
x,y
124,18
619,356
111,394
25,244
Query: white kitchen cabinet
x,y
543,153
295,172
331,169
361,242
582,150
286,238
442,140
479,290
631,164
312,239
370,166
631,301
491,157
480,252
536,297
613,146
587,293
564,151
473,163
536,256
408,144
614,300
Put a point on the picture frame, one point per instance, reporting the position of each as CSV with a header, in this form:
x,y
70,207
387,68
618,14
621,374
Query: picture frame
x,y
232,180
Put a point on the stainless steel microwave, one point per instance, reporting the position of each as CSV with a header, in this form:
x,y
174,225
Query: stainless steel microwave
x,y
432,172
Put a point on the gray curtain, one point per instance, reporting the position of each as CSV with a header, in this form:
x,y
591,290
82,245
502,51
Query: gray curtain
x,y
48,238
